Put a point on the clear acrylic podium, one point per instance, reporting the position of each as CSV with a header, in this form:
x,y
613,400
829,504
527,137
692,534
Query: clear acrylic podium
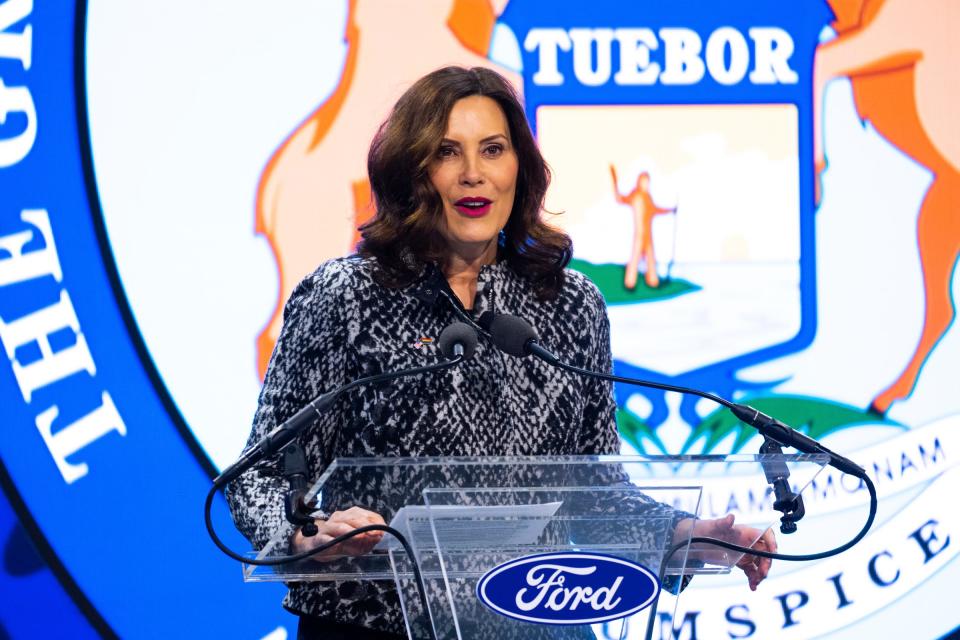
x,y
466,516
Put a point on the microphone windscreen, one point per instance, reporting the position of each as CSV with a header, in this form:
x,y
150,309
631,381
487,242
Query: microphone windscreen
x,y
511,334
458,332
485,319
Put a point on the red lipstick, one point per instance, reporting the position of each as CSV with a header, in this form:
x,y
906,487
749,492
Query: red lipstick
x,y
473,207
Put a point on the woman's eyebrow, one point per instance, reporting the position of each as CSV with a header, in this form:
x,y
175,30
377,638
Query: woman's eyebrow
x,y
487,139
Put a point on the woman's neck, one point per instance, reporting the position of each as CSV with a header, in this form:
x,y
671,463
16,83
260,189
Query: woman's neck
x,y
463,271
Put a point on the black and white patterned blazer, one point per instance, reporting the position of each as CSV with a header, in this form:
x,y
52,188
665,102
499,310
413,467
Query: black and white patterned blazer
x,y
339,324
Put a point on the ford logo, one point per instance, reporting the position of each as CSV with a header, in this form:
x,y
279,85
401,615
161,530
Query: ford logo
x,y
568,588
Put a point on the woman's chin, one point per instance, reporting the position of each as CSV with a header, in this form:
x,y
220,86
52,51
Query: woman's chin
x,y
473,245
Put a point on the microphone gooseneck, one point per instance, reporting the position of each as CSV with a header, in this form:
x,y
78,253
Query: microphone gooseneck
x,y
457,342
517,337
456,335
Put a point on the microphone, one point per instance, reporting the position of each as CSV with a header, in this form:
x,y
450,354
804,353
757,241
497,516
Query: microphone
x,y
458,339
517,337
485,319
457,342
787,502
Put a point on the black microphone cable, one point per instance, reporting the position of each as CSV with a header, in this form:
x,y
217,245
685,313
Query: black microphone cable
x,y
457,341
767,554
517,337
279,560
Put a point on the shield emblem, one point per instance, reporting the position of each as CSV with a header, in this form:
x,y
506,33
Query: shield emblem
x,y
683,172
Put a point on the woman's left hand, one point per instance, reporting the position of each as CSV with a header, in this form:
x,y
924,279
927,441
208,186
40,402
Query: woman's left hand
x,y
755,567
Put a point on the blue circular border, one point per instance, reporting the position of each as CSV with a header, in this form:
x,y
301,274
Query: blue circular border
x,y
126,541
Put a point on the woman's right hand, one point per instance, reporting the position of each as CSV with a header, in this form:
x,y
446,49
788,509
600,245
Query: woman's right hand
x,y
339,523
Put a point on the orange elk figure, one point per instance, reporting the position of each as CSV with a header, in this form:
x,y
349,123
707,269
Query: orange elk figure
x,y
314,193
902,60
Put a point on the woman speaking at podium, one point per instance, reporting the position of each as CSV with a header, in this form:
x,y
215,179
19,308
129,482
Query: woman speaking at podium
x,y
458,184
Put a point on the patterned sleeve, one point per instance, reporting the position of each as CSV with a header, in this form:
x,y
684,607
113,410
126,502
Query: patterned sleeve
x,y
308,359
598,433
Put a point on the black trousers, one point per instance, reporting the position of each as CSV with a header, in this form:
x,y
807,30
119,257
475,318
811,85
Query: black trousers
x,y
311,628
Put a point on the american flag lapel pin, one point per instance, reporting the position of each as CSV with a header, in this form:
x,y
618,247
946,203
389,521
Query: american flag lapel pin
x,y
423,341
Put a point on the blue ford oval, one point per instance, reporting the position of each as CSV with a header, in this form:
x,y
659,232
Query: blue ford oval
x,y
568,588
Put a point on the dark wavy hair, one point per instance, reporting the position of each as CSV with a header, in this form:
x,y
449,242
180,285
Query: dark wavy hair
x,y
404,235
